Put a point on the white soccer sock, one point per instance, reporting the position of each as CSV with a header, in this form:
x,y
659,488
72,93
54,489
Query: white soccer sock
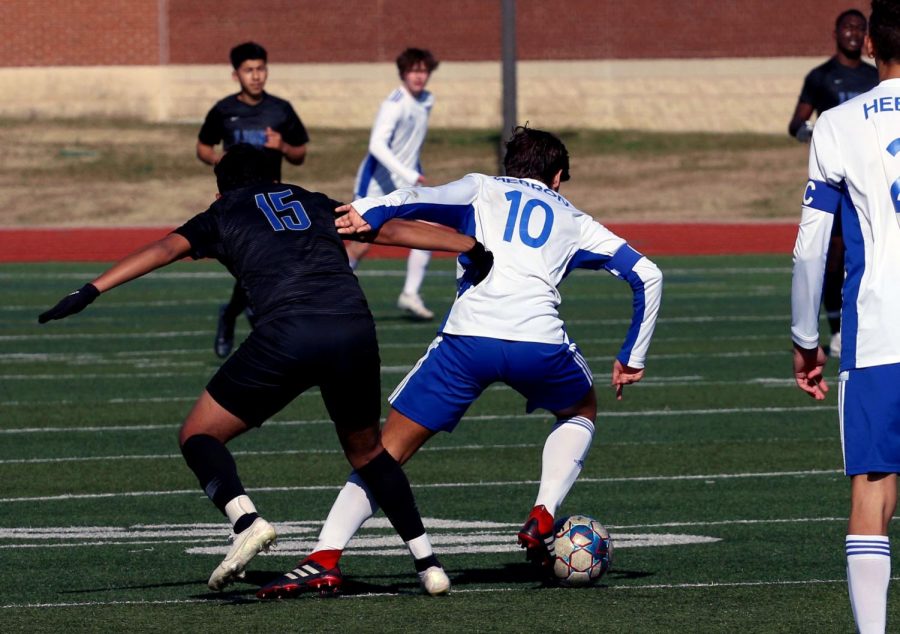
x,y
353,506
238,507
868,575
564,452
416,264
420,547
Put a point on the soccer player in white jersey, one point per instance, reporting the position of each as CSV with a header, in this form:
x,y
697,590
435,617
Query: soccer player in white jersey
x,y
854,166
393,161
506,329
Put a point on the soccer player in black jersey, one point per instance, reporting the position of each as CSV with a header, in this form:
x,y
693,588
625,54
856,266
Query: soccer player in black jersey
x,y
313,328
842,77
257,118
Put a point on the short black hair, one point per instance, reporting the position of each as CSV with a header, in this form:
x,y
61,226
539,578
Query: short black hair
x,y
248,50
532,153
412,56
846,14
243,165
884,29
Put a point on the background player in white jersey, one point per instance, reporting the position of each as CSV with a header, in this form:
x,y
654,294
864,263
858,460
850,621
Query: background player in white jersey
x,y
393,161
505,329
854,167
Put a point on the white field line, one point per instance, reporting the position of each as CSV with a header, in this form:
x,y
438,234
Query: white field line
x,y
406,326
600,378
375,272
227,598
436,485
486,417
470,447
385,369
91,357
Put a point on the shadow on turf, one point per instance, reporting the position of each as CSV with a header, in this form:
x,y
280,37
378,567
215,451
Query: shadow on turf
x,y
357,584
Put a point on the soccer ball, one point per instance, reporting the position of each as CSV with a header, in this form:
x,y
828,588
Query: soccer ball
x,y
583,550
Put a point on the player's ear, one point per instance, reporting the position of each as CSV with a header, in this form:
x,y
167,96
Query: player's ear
x,y
557,179
869,47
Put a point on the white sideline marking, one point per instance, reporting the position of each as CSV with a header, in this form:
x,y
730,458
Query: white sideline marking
x,y
435,485
468,447
226,598
486,417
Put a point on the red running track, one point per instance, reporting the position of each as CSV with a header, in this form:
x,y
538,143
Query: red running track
x,y
104,244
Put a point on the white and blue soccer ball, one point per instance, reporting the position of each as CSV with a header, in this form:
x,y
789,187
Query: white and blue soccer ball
x,y
583,550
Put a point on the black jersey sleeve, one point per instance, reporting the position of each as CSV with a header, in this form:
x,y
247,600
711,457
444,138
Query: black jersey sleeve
x,y
213,129
202,231
292,130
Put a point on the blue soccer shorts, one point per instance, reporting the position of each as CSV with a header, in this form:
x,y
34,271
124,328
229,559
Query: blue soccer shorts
x,y
869,407
456,369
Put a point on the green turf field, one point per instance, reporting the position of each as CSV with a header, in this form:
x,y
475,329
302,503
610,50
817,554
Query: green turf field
x,y
719,480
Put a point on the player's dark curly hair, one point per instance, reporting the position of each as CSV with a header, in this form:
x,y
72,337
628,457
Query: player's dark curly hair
x,y
846,14
412,56
248,50
532,153
243,165
884,29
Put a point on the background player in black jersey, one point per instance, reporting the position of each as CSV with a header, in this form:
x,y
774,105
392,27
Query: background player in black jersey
x,y
313,328
842,77
257,118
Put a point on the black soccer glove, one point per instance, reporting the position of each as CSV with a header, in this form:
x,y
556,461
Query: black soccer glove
x,y
71,303
477,263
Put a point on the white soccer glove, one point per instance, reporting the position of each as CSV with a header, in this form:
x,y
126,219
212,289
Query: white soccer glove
x,y
804,132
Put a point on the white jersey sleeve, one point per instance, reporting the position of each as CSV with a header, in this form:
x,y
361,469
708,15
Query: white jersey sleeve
x,y
602,249
389,117
450,205
821,200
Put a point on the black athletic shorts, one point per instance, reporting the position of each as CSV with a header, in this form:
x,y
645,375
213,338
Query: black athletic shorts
x,y
284,357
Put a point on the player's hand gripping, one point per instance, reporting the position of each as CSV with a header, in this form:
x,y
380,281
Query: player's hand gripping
x,y
70,304
623,375
349,222
477,262
809,364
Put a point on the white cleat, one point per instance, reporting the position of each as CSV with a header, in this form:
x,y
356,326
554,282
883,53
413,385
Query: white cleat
x,y
246,545
414,305
435,581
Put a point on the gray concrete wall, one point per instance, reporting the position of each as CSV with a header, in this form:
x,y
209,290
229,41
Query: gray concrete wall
x,y
723,95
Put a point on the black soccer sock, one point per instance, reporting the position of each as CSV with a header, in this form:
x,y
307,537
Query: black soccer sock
x,y
214,467
244,522
426,562
391,491
832,298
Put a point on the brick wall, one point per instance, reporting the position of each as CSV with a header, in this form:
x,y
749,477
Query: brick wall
x,y
78,32
125,32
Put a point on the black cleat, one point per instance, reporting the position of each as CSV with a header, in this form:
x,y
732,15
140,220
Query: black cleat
x,y
308,576
224,333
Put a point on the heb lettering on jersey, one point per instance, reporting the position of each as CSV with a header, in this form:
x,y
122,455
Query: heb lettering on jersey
x,y
822,196
536,186
881,104
256,138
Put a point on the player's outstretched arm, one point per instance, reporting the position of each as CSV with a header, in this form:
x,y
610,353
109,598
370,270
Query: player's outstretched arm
x,y
148,258
809,365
